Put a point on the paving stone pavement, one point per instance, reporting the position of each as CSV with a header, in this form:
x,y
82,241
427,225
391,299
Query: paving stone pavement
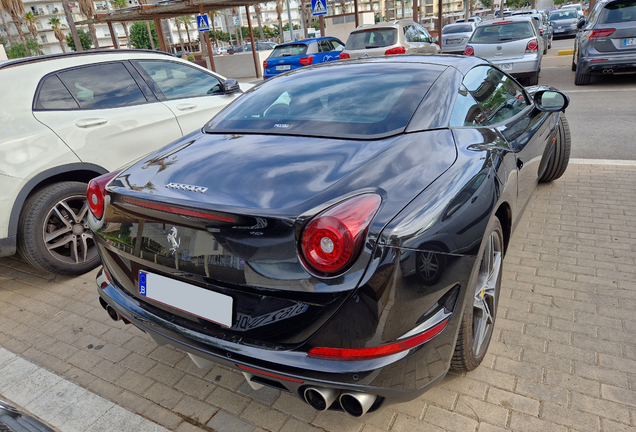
x,y
563,357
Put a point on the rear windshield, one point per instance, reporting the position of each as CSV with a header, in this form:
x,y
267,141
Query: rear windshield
x,y
621,11
371,38
457,29
343,101
502,32
555,16
289,50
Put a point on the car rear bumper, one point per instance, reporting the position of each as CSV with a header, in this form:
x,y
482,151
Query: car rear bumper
x,y
565,33
520,67
600,64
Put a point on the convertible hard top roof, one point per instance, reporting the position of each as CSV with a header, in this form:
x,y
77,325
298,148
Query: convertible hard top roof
x,y
459,62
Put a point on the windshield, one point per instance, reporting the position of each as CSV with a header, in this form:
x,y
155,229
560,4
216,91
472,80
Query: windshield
x,y
289,50
621,11
570,14
371,38
352,100
502,32
457,29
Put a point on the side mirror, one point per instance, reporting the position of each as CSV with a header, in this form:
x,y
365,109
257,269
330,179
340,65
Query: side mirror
x,y
581,23
230,85
551,101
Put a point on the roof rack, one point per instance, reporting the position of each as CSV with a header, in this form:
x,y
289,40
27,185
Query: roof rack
x,y
27,60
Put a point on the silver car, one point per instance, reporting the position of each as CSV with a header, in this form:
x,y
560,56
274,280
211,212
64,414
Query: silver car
x,y
455,36
513,44
606,43
389,38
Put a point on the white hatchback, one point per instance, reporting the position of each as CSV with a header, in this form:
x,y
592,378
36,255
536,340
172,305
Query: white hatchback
x,y
67,118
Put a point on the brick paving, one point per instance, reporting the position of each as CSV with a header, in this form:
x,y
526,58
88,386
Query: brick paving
x,y
563,357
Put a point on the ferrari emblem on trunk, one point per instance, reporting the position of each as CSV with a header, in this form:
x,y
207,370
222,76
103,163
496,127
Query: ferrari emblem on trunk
x,y
172,238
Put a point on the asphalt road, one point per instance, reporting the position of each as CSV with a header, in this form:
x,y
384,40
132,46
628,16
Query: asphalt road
x,y
602,115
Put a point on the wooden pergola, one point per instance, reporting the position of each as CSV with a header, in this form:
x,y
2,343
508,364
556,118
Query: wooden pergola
x,y
174,8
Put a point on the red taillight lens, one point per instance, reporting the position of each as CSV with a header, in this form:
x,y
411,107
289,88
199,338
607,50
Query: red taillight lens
x,y
601,33
540,31
178,210
264,64
96,193
343,56
381,351
533,45
396,50
306,61
332,240
469,51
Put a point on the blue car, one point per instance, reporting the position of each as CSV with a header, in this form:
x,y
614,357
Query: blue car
x,y
292,55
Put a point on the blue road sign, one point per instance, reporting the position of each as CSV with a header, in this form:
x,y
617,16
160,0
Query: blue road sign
x,y
318,7
203,23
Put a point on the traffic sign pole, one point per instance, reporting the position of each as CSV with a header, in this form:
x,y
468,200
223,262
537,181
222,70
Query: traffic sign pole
x,y
207,44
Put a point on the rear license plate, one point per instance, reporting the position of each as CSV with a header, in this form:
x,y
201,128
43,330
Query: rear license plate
x,y
200,302
453,41
559,31
283,67
506,66
630,41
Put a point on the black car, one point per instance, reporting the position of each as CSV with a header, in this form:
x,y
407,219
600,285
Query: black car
x,y
337,232
564,22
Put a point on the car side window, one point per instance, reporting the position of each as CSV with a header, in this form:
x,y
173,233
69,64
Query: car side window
x,y
467,111
54,96
324,46
102,86
337,46
498,95
411,34
178,81
424,35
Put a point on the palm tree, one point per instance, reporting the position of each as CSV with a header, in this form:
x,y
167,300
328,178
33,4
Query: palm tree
x,y
30,22
87,8
257,9
152,40
120,4
279,11
343,5
239,30
186,20
15,8
4,24
56,25
213,16
177,21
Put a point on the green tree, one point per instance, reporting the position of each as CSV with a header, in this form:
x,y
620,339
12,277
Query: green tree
x,y
84,37
139,36
17,50
485,3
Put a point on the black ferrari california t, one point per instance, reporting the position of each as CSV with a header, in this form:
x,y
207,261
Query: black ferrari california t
x,y
337,232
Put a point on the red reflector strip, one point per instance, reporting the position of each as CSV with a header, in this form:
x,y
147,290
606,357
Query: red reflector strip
x,y
178,210
381,351
269,374
502,22
599,59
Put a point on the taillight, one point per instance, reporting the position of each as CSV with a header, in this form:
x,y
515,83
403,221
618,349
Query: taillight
x,y
178,210
541,31
601,33
469,51
306,61
396,50
264,64
96,193
380,351
334,238
533,45
343,56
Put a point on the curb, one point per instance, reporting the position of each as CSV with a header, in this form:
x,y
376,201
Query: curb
x,y
566,52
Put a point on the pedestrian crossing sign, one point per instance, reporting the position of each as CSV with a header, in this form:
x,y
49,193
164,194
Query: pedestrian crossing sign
x,y
203,23
318,7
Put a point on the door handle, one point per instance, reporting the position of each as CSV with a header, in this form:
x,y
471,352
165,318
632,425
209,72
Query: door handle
x,y
90,122
186,106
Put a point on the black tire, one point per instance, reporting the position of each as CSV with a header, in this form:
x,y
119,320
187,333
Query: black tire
x,y
59,210
581,78
573,64
469,352
533,80
560,155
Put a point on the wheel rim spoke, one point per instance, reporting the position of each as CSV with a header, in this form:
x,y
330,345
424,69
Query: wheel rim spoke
x,y
485,301
56,234
76,219
62,218
60,243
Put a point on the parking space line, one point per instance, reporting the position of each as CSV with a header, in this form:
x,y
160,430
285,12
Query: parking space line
x,y
603,162
61,403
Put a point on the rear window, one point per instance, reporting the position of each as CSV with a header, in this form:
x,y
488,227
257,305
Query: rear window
x,y
502,32
621,11
342,101
457,29
570,14
372,38
289,50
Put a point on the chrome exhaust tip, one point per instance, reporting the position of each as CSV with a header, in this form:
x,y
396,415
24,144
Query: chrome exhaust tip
x,y
320,398
608,71
356,403
112,313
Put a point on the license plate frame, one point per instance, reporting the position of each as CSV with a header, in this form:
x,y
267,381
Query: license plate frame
x,y
559,30
206,304
506,66
283,67
629,42
453,41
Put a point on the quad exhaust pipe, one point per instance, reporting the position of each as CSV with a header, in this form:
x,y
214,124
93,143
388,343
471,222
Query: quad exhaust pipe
x,y
353,403
112,313
608,71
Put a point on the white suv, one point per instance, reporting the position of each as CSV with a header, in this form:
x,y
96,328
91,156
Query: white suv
x,y
67,118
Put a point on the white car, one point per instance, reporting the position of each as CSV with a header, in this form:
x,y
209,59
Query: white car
x,y
67,118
